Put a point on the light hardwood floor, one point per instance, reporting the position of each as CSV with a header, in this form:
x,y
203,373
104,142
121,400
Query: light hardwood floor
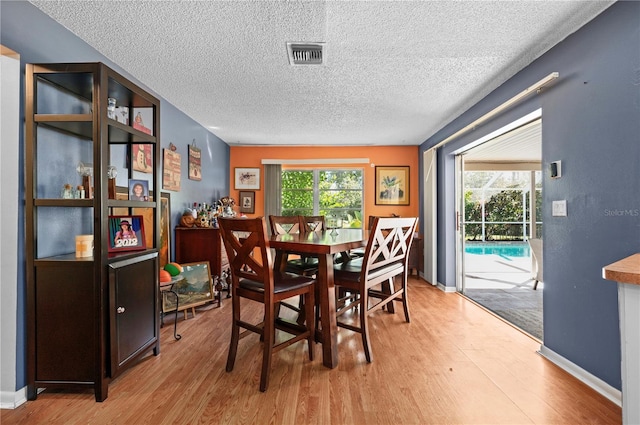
x,y
454,363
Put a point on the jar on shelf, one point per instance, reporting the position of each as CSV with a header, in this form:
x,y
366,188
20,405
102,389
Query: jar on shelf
x,y
67,192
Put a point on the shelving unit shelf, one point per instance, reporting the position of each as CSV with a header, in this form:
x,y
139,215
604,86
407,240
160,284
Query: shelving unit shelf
x,y
88,318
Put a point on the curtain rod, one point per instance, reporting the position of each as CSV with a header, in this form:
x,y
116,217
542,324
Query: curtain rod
x,y
317,161
515,99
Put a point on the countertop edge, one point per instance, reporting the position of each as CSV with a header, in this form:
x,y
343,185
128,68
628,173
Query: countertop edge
x,y
626,270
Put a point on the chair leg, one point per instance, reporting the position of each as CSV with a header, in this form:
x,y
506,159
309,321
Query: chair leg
x,y
535,285
235,333
405,303
387,288
364,327
309,309
269,342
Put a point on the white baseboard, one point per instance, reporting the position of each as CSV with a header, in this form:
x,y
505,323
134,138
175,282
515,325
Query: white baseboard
x,y
582,375
11,400
445,288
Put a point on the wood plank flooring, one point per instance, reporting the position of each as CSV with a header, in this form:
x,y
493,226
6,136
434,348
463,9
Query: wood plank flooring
x,y
454,363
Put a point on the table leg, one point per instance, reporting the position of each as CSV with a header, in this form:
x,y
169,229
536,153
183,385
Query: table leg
x,y
327,303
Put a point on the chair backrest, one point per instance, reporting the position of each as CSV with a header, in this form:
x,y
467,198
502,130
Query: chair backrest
x,y
284,224
536,252
312,223
373,217
247,243
387,251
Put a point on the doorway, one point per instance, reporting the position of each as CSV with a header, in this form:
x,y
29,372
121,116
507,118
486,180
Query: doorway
x,y
499,197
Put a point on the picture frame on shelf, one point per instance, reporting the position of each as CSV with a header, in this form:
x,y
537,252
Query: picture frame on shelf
x,y
126,233
141,118
247,178
247,201
392,185
141,157
138,190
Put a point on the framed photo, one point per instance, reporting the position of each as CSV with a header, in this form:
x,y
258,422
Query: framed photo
x,y
126,233
193,286
247,202
247,178
138,190
164,250
392,185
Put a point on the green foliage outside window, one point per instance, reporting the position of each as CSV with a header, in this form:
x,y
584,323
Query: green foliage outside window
x,y
324,192
504,206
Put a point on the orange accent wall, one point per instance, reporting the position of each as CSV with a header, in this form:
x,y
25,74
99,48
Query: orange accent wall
x,y
252,156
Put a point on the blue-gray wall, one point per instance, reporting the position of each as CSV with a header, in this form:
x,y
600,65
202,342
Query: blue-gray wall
x,y
590,121
39,39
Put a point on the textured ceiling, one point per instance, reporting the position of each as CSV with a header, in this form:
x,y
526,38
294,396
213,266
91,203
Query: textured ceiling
x,y
395,71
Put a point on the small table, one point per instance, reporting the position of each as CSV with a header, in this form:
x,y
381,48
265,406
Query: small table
x,y
324,246
164,288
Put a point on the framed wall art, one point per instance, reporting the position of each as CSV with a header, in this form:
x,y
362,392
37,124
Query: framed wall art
x,y
392,185
171,171
247,201
195,163
193,286
126,233
247,178
164,250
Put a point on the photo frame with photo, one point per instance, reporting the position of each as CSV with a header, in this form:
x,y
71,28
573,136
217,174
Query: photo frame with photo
x,y
247,201
138,190
126,233
247,178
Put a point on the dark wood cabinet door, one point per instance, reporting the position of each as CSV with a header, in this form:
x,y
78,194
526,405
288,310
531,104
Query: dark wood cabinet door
x,y
133,309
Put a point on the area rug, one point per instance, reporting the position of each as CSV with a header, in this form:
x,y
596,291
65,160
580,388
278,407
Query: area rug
x,y
521,307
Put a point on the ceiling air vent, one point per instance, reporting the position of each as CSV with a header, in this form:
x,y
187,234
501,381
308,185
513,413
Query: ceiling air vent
x,y
306,53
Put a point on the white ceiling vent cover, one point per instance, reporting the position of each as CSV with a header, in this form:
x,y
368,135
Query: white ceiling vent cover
x,y
305,53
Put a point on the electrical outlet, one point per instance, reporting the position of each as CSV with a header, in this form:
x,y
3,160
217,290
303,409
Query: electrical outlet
x,y
559,208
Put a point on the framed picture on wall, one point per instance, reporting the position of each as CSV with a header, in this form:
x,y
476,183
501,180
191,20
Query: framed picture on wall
x,y
247,201
247,178
392,185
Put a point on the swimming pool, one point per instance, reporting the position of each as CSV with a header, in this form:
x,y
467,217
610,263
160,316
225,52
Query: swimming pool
x,y
503,249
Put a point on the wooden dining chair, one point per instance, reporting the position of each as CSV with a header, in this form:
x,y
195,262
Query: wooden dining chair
x,y
253,277
312,223
282,225
373,276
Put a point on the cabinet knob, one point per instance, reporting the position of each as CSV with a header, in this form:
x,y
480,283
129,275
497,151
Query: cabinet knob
x,y
120,310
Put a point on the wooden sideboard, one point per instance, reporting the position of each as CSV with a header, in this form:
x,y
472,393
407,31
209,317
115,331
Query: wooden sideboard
x,y
195,244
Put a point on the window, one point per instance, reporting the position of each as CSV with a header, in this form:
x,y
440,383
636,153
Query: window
x,y
324,192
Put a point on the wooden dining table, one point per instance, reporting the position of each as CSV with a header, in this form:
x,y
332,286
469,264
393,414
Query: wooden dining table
x,y
324,246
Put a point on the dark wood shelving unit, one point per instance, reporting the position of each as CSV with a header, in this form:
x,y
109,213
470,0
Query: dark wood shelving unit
x,y
90,318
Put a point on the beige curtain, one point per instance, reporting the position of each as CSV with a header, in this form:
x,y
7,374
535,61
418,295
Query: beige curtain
x,y
272,188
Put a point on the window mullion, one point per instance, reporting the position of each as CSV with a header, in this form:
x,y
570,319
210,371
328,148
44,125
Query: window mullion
x,y
316,192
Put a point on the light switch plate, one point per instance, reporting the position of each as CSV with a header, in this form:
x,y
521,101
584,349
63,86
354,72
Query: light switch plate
x,y
559,208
